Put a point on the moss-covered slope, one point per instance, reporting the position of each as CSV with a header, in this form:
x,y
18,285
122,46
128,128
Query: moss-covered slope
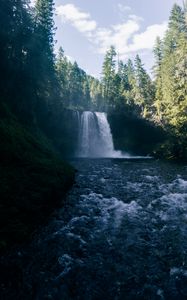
x,y
32,181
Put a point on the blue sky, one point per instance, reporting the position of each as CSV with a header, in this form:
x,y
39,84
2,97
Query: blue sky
x,y
87,28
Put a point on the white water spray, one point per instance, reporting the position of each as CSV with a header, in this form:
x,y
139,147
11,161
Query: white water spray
x,y
95,138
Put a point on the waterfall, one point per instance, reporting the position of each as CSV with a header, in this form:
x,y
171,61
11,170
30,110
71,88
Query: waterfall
x,y
88,135
95,137
106,140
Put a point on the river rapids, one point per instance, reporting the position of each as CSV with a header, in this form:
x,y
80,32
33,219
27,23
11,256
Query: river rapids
x,y
122,234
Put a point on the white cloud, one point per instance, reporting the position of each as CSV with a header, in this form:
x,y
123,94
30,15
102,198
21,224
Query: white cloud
x,y
146,39
118,36
125,36
80,20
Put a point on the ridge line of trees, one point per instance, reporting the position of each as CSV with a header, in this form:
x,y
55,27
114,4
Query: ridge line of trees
x,y
38,85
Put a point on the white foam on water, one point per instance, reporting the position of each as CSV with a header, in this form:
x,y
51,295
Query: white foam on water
x,y
177,271
66,262
150,178
172,205
110,211
182,184
178,185
134,186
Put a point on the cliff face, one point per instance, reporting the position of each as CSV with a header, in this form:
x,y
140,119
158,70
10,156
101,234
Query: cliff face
x,y
130,133
135,135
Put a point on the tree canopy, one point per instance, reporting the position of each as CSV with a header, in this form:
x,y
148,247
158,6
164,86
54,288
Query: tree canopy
x,y
37,84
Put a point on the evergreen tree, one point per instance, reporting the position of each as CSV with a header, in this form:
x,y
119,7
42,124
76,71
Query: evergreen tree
x,y
128,84
185,10
144,88
175,28
171,80
96,89
158,54
43,56
108,74
62,69
16,29
44,11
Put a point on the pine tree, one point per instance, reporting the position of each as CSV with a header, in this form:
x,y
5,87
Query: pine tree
x,y
43,57
170,64
108,74
177,20
175,28
171,81
44,11
96,88
158,54
16,30
62,69
185,10
144,88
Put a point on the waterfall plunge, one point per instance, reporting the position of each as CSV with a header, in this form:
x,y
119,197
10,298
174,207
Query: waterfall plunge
x,y
95,137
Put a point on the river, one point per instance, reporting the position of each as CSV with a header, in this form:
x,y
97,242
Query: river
x,y
122,234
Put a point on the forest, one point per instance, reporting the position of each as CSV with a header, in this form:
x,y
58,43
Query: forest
x,y
85,227
39,87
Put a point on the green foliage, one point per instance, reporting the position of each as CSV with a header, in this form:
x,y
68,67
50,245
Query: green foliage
x,y
108,72
78,90
127,86
32,176
37,88
171,82
144,90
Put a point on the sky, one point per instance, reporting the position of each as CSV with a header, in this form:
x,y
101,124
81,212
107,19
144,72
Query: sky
x,y
87,28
